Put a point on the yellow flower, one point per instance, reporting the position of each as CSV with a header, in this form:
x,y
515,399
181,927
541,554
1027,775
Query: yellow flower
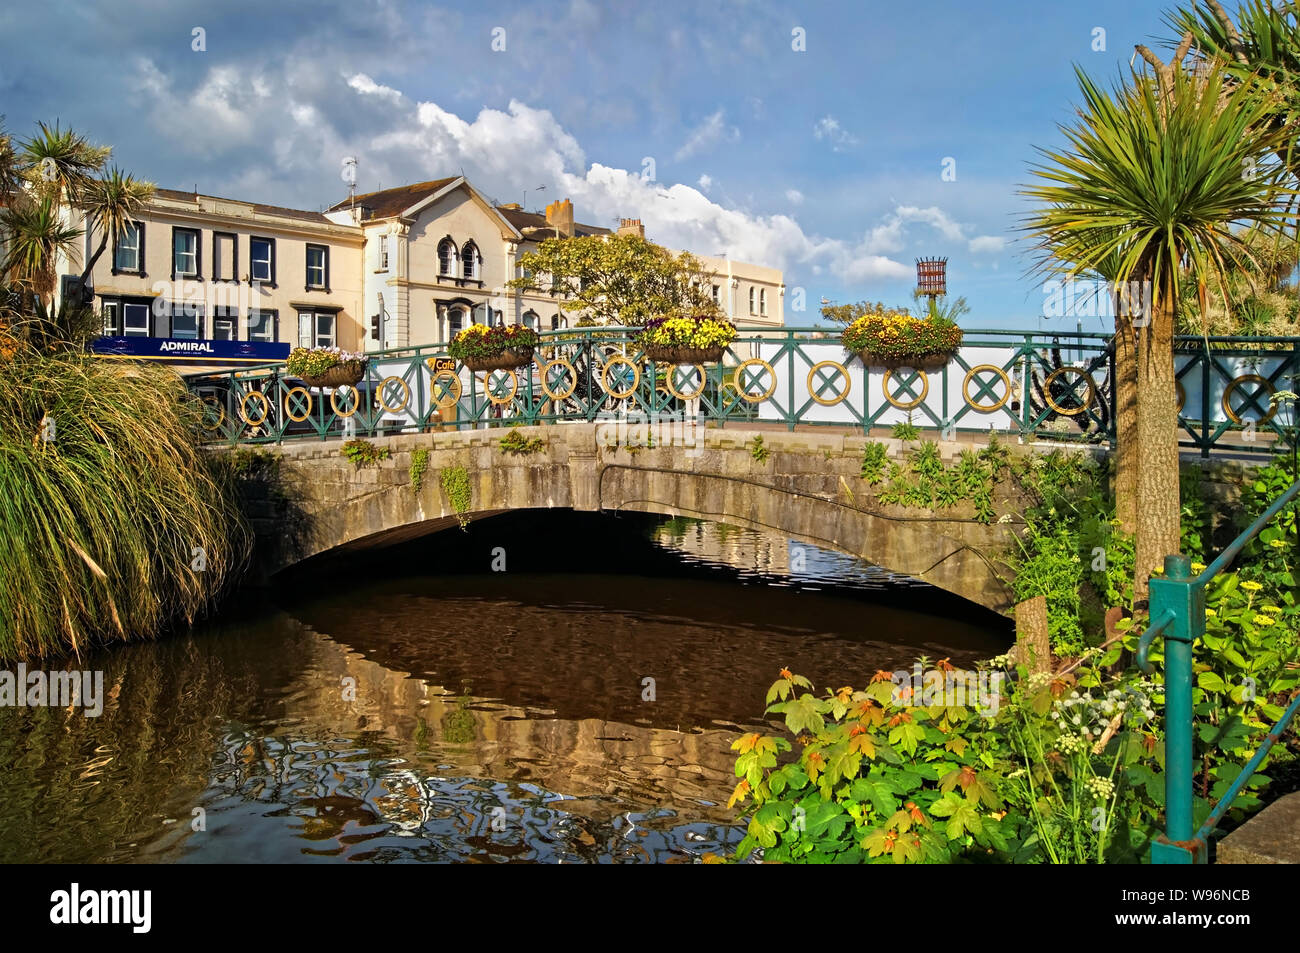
x,y
1264,620
1276,543
1198,567
1251,585
1210,613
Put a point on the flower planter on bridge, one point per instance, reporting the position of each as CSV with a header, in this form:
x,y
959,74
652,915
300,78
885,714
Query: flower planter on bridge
x,y
506,360
662,354
341,375
921,362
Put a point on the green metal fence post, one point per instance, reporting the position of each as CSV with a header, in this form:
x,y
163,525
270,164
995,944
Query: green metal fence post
x,y
1178,598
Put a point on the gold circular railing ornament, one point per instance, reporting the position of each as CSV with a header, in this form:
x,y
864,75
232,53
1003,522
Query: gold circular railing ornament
x,y
1061,372
604,377
491,393
334,400
738,377
221,413
1248,379
289,413
971,402
840,396
670,381
450,393
406,394
910,405
546,373
265,405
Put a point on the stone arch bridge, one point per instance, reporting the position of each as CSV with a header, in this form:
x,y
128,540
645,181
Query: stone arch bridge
x,y
808,488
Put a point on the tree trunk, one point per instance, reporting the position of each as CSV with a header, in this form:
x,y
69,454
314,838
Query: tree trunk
x,y
1126,438
1158,505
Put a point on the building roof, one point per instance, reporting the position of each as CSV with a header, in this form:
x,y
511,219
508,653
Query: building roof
x,y
529,220
193,197
390,202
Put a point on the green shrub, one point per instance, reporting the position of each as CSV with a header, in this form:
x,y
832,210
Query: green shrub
x,y
874,457
516,443
419,465
759,451
363,453
113,524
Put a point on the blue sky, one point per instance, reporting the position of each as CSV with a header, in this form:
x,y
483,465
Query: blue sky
x,y
826,162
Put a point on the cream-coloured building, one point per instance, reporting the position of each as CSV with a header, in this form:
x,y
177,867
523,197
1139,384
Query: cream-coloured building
x,y
197,267
396,268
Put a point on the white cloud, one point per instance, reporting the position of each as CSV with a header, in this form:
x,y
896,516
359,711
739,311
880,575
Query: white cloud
x,y
298,118
986,243
829,128
794,196
708,134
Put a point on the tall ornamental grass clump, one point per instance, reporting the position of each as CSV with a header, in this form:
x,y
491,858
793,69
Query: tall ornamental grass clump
x,y
113,524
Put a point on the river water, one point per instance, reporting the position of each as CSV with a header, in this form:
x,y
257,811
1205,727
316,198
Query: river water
x,y
550,687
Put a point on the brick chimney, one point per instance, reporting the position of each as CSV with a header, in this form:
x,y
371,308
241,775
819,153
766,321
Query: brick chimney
x,y
559,215
631,226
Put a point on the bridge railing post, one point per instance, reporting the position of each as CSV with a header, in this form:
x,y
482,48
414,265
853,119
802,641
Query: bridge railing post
x,y
1180,599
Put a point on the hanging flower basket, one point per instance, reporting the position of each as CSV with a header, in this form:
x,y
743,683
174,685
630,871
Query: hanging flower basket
x,y
921,362
663,354
326,366
481,347
686,338
505,360
897,339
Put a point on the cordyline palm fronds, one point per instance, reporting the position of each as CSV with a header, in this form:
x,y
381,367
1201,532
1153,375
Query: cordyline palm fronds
x,y
36,235
61,164
110,203
10,173
1154,177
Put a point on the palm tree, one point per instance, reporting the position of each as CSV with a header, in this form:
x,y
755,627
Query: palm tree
x,y
1263,48
1155,174
109,204
61,164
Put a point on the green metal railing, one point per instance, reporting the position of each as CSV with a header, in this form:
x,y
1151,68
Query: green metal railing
x,y
1021,383
1178,613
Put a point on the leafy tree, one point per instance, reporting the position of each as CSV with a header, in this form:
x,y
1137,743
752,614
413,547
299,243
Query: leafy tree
x,y
619,279
1152,176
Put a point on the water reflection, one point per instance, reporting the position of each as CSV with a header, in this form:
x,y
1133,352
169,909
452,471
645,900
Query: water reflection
x,y
454,716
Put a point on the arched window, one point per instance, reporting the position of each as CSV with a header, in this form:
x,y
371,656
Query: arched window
x,y
531,320
469,261
752,310
762,301
555,322
447,258
455,321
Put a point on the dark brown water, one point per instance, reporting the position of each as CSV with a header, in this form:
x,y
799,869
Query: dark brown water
x,y
411,704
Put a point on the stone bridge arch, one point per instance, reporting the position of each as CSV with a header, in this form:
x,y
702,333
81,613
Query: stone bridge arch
x,y
807,489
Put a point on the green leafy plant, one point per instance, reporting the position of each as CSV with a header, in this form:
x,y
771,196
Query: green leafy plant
x,y
874,457
905,430
455,483
419,465
363,453
759,451
516,443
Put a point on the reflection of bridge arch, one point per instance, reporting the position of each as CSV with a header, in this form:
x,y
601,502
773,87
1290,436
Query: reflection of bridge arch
x,y
801,494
